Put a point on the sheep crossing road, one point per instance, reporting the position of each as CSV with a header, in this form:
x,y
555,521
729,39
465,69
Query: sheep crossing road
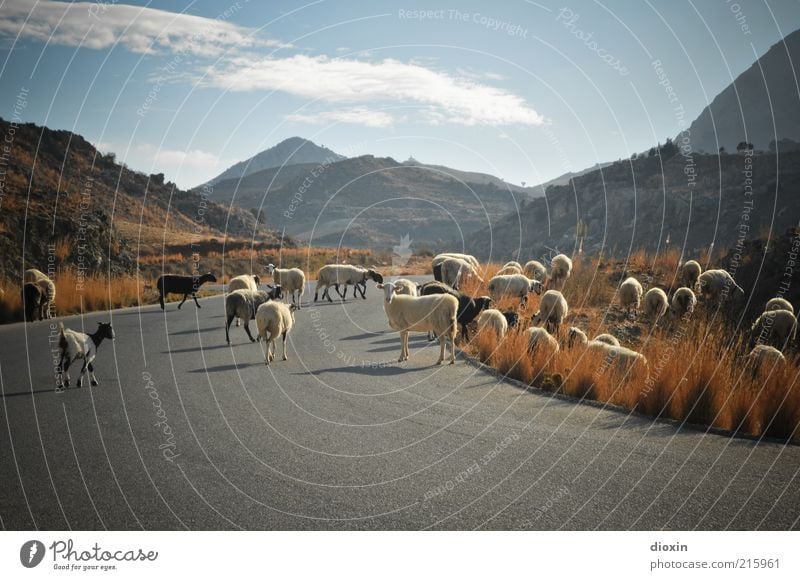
x,y
185,431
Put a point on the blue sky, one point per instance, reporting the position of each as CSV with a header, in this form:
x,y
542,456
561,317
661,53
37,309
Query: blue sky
x,y
524,90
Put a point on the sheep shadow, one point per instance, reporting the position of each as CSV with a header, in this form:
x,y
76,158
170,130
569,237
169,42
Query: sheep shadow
x,y
198,348
226,368
195,330
363,336
388,369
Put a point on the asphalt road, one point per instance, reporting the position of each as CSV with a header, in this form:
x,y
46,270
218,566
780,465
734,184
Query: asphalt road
x,y
342,437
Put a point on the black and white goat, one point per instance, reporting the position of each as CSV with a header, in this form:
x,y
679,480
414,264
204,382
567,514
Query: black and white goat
x,y
186,285
78,345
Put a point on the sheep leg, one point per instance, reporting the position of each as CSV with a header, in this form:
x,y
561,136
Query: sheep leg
x,y
363,291
431,337
64,368
247,330
185,296
342,296
161,299
92,379
195,299
442,347
80,376
227,329
453,332
284,347
403,339
238,321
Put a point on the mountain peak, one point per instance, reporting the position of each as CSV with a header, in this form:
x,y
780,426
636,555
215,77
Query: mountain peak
x,y
291,151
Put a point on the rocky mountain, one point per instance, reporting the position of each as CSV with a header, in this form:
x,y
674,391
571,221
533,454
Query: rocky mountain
x,y
763,101
63,202
688,202
477,177
292,151
369,202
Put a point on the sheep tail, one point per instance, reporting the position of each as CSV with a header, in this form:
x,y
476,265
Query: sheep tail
x,y
62,338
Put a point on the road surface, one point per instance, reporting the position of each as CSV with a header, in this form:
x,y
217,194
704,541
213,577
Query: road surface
x,y
185,431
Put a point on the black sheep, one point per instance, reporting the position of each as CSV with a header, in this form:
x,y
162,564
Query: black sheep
x,y
33,301
512,318
468,308
186,285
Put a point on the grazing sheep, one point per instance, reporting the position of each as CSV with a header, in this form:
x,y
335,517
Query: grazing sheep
x,y
292,280
616,355
436,263
435,313
540,339
47,287
455,270
404,286
274,319
715,285
513,264
535,271
607,338
656,304
630,296
553,310
683,302
506,270
492,320
576,337
33,301
516,285
689,274
243,304
778,327
75,345
186,285
343,274
33,275
468,308
764,355
560,271
779,304
243,282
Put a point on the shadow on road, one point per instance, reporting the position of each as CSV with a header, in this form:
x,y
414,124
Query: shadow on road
x,y
224,368
199,348
391,369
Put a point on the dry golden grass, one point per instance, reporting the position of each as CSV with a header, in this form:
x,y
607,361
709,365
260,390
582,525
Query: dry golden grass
x,y
695,373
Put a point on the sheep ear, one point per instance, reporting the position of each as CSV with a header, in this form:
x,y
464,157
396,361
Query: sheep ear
x,y
379,286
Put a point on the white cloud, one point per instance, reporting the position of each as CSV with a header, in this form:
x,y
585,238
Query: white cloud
x,y
443,97
355,116
141,30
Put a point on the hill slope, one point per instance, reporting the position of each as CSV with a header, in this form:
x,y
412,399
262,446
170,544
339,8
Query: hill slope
x,y
368,202
63,201
292,151
768,88
638,204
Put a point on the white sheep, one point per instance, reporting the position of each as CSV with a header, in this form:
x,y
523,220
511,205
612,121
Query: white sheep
x,y
243,282
535,271
436,312
46,285
292,280
274,319
656,304
778,327
553,309
468,258
683,302
615,355
492,320
513,264
539,339
505,270
404,286
779,304
75,345
716,285
560,271
607,338
515,285
763,354
630,296
343,275
243,304
690,272
456,270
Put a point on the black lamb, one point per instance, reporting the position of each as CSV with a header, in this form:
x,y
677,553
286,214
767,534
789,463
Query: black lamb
x,y
186,285
468,308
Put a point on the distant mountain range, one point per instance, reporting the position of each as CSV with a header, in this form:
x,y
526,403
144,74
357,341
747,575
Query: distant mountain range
x,y
371,201
762,103
292,151
64,201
